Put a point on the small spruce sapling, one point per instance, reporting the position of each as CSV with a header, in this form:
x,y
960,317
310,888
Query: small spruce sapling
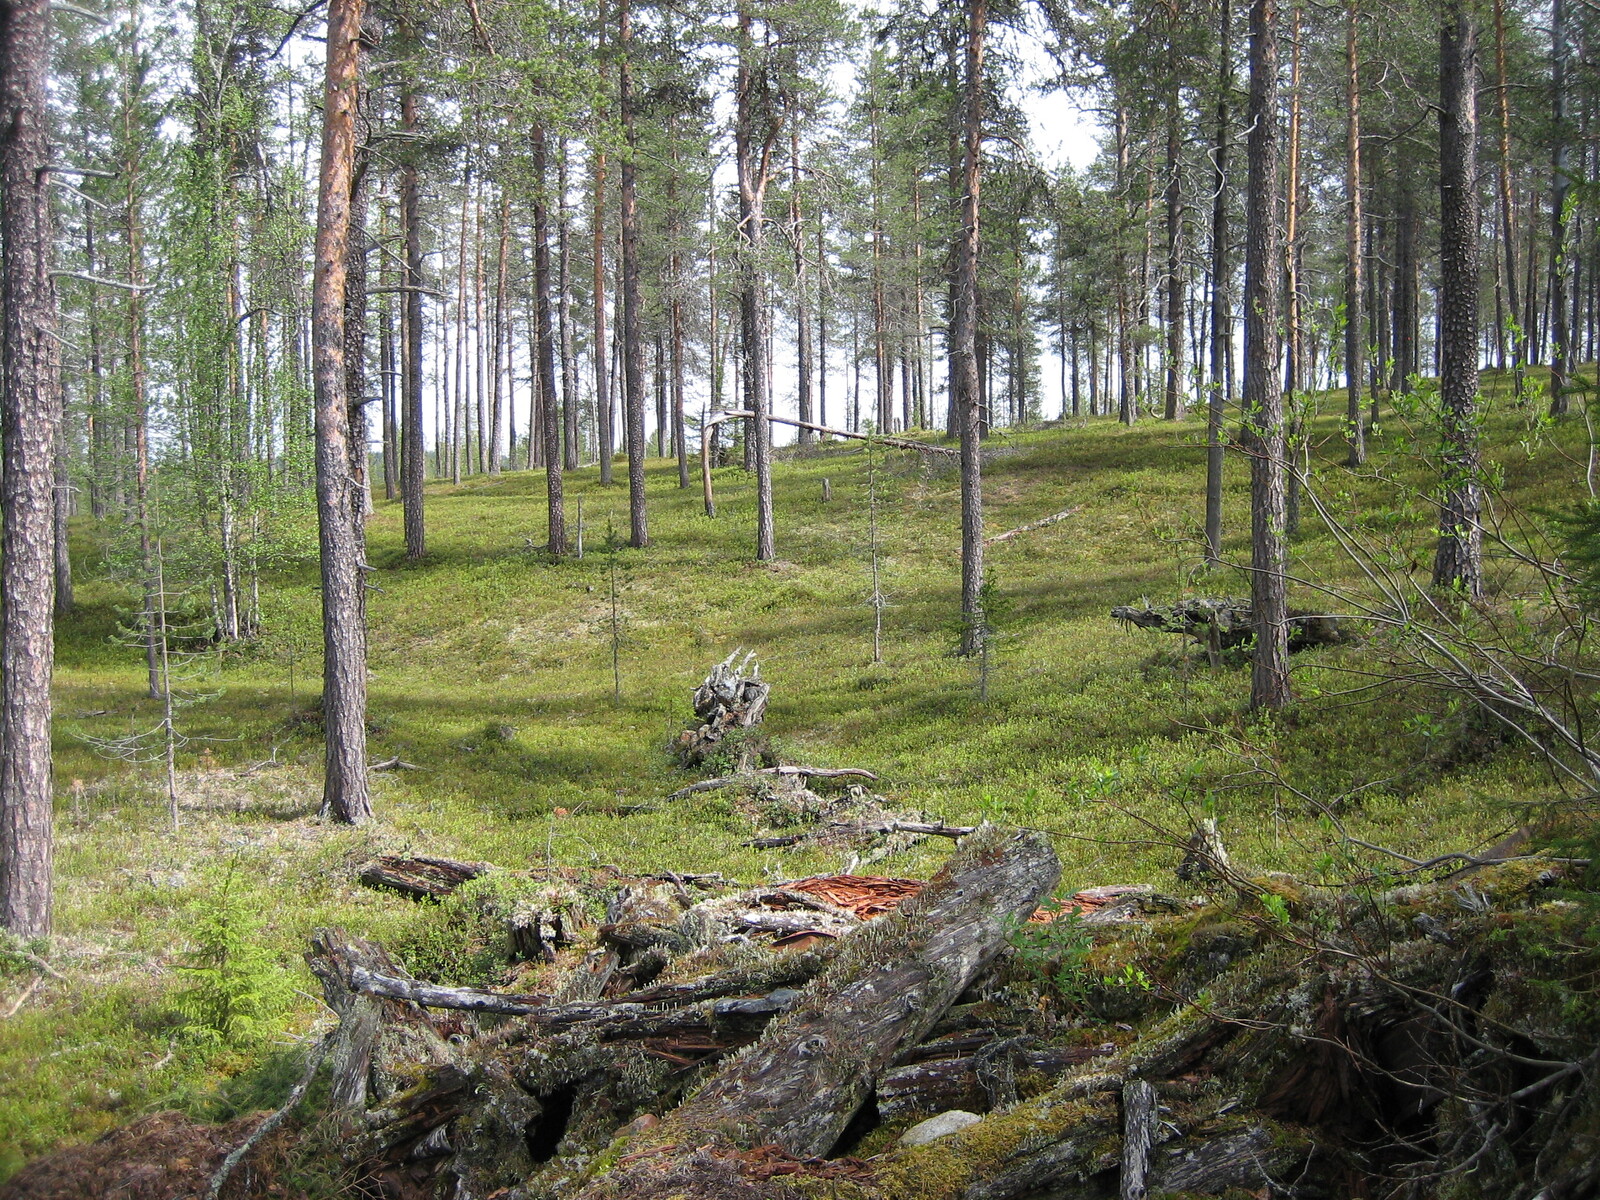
x,y
237,985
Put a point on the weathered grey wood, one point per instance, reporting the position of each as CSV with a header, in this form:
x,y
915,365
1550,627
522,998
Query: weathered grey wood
x,y
377,1033
646,903
1250,1159
1140,1119
420,877
432,995
801,1084
939,1084
1223,623
1041,523
744,778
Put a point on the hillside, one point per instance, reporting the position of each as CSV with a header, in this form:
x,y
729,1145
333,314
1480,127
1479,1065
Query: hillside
x,y
492,672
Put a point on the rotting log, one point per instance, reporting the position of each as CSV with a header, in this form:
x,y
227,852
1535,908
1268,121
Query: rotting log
x,y
1224,623
799,1086
420,877
783,771
967,1082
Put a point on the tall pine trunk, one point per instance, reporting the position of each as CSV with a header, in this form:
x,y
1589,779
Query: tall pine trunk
x,y
632,334
1355,342
1459,562
30,400
413,463
965,381
549,427
1221,321
1263,371
345,796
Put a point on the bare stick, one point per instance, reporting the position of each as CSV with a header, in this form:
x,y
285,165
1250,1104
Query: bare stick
x,y
236,1155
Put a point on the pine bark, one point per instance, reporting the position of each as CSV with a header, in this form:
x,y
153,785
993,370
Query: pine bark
x,y
1459,561
632,305
966,383
751,164
345,796
413,462
1221,322
1355,343
1560,188
550,416
1263,379
28,415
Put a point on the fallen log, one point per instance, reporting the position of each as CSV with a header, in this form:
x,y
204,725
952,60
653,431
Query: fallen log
x,y
1224,623
420,877
744,779
940,1084
892,980
862,829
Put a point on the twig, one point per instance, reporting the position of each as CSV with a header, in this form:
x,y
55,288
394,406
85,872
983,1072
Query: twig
x,y
236,1155
39,964
17,1004
1031,526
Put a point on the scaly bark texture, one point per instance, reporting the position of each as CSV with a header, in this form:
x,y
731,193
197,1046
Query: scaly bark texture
x,y
550,414
1459,562
1221,319
752,162
964,340
413,465
345,795
1263,377
632,305
1355,342
28,418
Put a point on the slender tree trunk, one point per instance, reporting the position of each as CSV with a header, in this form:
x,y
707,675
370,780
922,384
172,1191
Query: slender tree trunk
x,y
572,433
802,314
964,335
549,426
632,335
345,796
1355,341
1177,397
29,414
497,337
1263,378
1459,562
1508,233
1128,410
606,439
1560,188
751,164
133,217
413,461
389,365
1221,322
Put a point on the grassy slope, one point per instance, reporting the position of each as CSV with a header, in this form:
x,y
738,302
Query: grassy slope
x,y
492,669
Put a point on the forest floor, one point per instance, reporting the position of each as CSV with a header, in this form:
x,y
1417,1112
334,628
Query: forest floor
x,y
492,671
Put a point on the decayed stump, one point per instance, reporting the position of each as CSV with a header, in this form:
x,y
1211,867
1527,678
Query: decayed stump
x,y
1225,623
731,697
892,980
